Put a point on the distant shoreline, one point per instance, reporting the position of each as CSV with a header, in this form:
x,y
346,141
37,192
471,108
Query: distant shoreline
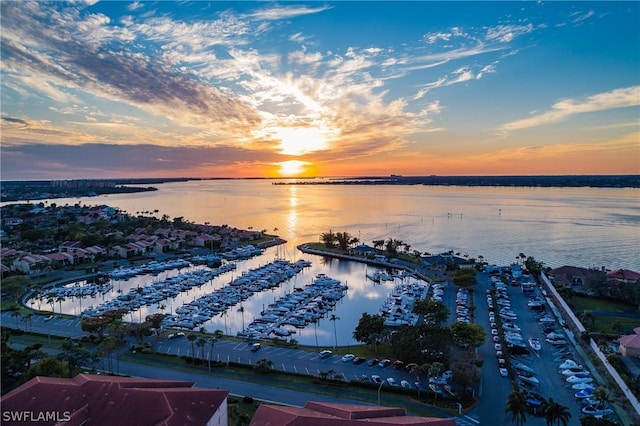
x,y
567,181
17,190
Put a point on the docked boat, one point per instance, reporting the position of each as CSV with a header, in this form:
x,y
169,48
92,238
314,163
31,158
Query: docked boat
x,y
529,379
522,367
534,343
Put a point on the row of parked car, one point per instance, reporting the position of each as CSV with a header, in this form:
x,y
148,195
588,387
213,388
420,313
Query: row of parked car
x,y
381,363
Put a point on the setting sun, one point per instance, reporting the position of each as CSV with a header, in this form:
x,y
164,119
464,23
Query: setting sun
x,y
301,140
292,167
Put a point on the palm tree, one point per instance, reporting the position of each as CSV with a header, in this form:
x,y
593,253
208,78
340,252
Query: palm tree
x,y
28,318
587,318
16,315
224,314
328,238
192,338
335,332
51,301
241,310
517,407
617,327
417,370
264,364
60,299
212,342
378,243
556,414
200,343
315,330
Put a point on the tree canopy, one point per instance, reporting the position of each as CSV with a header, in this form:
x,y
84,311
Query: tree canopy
x,y
465,278
422,343
433,312
369,328
468,335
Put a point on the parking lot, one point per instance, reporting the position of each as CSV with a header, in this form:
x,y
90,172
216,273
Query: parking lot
x,y
543,366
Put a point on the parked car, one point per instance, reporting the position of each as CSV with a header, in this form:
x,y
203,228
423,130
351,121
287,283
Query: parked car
x,y
410,366
405,384
384,363
397,365
504,372
348,357
376,379
372,362
392,381
176,335
359,360
255,347
325,354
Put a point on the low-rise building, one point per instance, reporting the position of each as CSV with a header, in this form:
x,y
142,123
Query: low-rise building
x,y
329,414
630,344
94,400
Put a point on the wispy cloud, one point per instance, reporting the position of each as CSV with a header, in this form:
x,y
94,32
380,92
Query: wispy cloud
x,y
564,109
506,33
578,17
286,12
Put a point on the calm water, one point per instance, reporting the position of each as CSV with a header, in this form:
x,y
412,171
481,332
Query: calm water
x,y
574,226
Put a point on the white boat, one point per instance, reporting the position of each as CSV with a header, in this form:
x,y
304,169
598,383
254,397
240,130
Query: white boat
x,y
569,363
523,367
582,386
576,379
509,326
534,343
529,379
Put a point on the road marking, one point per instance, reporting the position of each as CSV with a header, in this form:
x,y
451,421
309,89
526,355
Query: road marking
x,y
471,419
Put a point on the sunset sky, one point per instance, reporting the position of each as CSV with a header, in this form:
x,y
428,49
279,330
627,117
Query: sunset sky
x,y
261,89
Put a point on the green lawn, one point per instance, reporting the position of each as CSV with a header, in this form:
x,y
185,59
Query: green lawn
x,y
603,324
581,303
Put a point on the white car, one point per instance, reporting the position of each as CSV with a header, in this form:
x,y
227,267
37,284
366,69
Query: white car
x,y
405,384
325,354
376,379
348,358
392,381
497,346
504,372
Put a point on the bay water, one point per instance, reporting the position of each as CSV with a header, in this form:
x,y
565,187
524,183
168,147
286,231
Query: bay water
x,y
589,227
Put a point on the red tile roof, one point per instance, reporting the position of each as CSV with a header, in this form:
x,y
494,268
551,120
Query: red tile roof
x,y
327,414
630,341
108,400
625,275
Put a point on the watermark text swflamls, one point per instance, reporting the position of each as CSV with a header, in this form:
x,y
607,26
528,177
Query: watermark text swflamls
x,y
35,416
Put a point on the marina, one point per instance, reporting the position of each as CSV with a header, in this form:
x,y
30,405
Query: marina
x,y
248,297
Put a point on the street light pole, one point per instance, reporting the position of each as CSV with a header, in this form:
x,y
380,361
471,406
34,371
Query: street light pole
x,y
379,387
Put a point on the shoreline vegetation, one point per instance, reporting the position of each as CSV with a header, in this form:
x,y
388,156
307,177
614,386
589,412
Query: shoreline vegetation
x,y
17,190
569,181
